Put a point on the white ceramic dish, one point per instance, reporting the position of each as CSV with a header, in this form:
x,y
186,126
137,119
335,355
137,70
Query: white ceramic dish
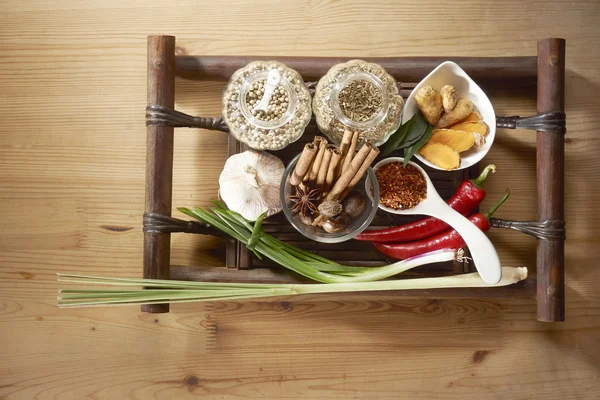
x,y
449,73
482,250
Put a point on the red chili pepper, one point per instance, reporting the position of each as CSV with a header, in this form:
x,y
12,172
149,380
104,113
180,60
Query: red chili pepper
x,y
466,198
446,240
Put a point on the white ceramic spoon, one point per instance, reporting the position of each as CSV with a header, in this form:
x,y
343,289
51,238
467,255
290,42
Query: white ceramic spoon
x,y
272,81
482,250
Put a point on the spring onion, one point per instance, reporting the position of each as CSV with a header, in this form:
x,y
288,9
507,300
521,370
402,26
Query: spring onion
x,y
301,261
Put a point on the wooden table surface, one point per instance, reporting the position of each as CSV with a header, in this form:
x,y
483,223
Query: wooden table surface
x,y
72,155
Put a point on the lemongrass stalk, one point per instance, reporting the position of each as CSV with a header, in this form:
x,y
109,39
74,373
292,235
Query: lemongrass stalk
x,y
510,276
100,280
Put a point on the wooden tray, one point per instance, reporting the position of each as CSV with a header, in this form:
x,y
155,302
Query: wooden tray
x,y
547,70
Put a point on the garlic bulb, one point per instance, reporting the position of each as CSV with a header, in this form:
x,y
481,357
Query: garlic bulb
x,y
249,183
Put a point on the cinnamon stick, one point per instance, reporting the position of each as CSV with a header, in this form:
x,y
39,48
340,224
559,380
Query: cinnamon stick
x,y
346,139
350,153
349,173
361,171
324,166
304,163
321,142
336,157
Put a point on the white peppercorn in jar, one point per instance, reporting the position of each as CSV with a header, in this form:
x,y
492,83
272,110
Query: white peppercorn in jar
x,y
288,111
359,96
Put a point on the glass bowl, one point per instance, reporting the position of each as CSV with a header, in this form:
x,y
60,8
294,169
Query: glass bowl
x,y
367,187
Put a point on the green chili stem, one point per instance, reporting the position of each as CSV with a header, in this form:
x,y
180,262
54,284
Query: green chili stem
x,y
483,176
492,210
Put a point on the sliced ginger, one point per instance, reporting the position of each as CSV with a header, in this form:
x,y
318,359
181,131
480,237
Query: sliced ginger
x,y
441,155
478,127
457,140
479,139
474,117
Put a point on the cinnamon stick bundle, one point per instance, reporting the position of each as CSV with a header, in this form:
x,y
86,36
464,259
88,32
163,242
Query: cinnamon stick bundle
x,y
346,139
350,152
321,142
304,163
361,171
332,170
324,166
348,173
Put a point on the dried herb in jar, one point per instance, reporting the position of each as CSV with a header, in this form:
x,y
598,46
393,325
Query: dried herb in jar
x,y
360,100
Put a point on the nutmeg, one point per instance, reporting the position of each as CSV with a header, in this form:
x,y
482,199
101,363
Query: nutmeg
x,y
354,204
337,223
329,209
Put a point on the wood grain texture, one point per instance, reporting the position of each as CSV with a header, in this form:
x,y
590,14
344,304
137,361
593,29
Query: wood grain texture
x,y
72,156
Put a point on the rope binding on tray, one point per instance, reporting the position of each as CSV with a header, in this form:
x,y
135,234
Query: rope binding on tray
x,y
547,122
165,116
546,230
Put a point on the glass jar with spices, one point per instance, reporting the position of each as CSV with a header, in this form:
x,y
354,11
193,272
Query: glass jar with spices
x,y
266,105
359,96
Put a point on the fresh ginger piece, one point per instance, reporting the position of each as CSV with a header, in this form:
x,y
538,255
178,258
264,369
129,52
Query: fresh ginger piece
x,y
478,127
479,139
457,140
448,94
430,103
474,117
441,155
461,111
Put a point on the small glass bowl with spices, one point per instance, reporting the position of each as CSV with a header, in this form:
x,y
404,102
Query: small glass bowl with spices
x,y
266,105
358,96
357,209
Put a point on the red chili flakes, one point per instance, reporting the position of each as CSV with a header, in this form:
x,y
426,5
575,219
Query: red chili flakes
x,y
399,187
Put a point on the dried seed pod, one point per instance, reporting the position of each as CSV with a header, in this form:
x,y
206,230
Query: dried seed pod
x,y
330,209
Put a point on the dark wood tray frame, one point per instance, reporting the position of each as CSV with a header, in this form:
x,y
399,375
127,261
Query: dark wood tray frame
x,y
547,70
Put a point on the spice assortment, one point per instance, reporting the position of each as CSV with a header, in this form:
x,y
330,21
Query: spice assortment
x,y
447,132
288,106
323,182
359,96
357,105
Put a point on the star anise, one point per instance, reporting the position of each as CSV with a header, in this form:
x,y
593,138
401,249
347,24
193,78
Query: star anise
x,y
305,200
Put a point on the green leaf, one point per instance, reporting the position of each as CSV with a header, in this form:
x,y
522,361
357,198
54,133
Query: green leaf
x,y
411,150
416,131
396,139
